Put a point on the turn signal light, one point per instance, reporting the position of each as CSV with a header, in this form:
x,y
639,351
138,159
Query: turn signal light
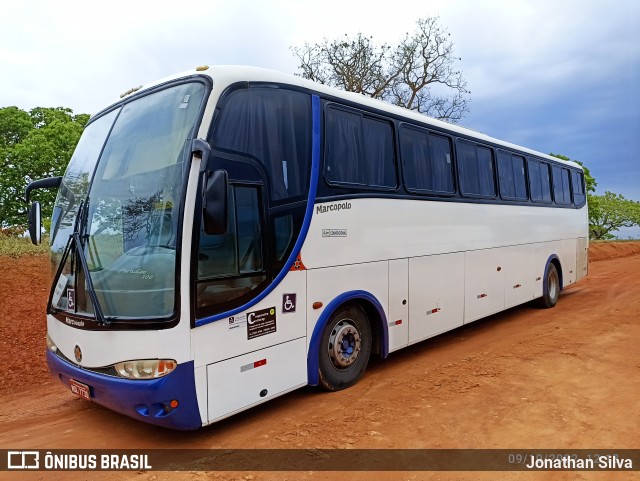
x,y
51,345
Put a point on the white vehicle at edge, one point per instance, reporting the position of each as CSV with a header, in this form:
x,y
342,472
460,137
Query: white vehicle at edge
x,y
230,234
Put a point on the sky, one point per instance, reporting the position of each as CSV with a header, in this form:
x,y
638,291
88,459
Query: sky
x,y
559,76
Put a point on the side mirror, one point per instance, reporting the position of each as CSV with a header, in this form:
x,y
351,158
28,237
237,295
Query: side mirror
x,y
35,223
214,202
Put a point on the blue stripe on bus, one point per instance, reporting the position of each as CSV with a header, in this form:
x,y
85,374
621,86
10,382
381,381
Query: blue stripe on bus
x,y
144,400
313,186
313,355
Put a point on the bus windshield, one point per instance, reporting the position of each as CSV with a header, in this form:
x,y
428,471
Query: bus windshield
x,y
126,217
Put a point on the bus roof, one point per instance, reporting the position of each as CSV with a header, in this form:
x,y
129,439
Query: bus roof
x,y
223,75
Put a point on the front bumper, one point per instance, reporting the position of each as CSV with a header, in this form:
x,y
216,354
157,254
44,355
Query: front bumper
x,y
145,400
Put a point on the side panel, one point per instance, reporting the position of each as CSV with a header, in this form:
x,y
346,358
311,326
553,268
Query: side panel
x,y
567,253
398,317
241,382
436,295
519,275
582,254
324,285
230,337
221,387
484,283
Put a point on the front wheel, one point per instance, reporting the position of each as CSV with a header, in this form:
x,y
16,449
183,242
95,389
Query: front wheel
x,y
551,287
345,348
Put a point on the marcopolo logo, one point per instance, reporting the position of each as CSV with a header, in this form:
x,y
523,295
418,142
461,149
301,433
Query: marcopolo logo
x,y
321,209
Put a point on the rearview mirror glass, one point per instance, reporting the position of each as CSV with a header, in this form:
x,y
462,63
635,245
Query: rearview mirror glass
x,y
35,223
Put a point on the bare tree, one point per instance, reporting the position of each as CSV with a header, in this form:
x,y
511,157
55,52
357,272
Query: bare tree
x,y
419,73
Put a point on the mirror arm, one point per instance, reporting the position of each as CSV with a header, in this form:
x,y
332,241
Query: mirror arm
x,y
201,148
41,184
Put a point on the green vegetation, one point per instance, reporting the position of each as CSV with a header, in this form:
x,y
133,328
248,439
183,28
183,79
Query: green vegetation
x,y
608,212
14,246
33,145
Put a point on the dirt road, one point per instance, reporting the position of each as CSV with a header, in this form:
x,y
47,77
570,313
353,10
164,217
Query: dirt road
x,y
567,377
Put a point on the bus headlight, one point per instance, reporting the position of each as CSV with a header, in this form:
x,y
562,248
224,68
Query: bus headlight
x,y
51,345
145,368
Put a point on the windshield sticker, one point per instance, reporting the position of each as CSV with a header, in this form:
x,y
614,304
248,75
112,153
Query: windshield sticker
x,y
185,102
261,323
60,285
71,299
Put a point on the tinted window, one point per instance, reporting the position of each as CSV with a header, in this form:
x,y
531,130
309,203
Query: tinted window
x,y
561,190
378,150
539,181
577,183
427,161
358,149
512,178
274,126
230,265
475,167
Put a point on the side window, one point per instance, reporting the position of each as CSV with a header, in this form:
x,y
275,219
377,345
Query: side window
x,y
358,149
566,186
230,265
379,152
561,192
512,177
427,161
475,168
283,230
539,181
273,126
578,188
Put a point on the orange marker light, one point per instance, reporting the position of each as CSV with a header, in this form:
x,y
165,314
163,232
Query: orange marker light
x,y
173,404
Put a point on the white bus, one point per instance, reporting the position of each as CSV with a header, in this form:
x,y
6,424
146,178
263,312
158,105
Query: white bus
x,y
231,234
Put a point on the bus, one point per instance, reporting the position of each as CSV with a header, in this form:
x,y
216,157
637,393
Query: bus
x,y
230,234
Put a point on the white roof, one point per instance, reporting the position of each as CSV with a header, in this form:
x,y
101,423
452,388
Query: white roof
x,y
223,75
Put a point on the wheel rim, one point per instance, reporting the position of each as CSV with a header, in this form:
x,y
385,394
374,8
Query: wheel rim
x,y
553,284
344,344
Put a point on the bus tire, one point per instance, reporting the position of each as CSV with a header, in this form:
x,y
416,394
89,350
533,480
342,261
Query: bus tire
x,y
551,289
345,348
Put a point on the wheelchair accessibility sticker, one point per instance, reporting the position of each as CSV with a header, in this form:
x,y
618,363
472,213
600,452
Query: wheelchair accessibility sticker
x,y
288,303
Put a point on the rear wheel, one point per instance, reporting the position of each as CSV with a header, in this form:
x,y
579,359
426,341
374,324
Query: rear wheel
x,y
345,348
551,287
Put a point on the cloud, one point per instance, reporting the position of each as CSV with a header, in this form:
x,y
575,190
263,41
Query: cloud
x,y
553,75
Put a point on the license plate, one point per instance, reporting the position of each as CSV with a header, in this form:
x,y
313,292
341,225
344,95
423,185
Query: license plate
x,y
80,389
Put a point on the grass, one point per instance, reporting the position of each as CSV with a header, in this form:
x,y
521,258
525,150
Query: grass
x,y
13,246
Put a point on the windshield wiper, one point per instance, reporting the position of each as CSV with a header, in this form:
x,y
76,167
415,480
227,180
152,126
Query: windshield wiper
x,y
76,241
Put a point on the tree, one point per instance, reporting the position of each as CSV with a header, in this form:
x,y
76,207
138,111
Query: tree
x,y
610,212
589,180
419,73
33,145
